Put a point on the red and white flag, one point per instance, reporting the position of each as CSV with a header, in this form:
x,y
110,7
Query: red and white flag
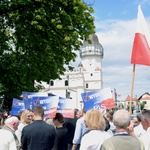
x,y
141,44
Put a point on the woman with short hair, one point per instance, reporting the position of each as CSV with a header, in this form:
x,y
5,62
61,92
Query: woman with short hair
x,y
96,134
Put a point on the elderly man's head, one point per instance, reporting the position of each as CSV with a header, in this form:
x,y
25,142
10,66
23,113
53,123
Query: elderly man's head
x,y
12,122
145,119
121,119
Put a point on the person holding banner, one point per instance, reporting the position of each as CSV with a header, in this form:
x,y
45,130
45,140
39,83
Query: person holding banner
x,y
96,134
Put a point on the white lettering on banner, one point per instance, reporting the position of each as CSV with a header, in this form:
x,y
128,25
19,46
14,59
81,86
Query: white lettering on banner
x,y
101,106
20,104
95,95
45,101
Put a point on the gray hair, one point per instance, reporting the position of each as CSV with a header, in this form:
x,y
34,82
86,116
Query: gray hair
x,y
146,114
121,119
11,119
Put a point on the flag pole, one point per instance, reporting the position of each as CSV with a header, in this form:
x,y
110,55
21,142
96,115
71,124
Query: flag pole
x,y
132,87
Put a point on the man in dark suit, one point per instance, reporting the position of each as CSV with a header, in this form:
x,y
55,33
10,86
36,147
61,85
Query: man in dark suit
x,y
38,135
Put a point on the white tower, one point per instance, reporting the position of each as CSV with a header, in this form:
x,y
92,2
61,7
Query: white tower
x,y
87,77
91,55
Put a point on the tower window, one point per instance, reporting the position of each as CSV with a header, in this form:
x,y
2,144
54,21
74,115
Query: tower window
x,y
87,85
66,83
51,83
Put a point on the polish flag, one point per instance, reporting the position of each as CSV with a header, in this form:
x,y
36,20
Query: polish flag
x,y
141,44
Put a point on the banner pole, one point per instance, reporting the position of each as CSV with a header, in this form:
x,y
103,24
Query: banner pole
x,y
132,87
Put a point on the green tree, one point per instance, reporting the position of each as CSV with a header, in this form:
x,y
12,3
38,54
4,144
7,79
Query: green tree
x,y
37,37
142,105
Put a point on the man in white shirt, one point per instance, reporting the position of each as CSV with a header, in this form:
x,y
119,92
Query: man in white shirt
x,y
8,139
138,129
145,118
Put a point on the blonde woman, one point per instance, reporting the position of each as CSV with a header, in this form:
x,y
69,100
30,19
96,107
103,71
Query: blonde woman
x,y
26,118
96,135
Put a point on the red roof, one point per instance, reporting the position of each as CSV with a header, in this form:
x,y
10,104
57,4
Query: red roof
x,y
128,98
84,69
97,69
145,98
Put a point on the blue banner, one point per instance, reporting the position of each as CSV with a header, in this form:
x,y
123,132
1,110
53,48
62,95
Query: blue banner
x,y
66,107
27,97
49,103
17,106
99,99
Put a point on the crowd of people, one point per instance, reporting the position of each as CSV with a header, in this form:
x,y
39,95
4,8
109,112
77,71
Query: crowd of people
x,y
91,130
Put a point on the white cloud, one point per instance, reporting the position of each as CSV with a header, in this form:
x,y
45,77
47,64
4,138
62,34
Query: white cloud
x,y
116,37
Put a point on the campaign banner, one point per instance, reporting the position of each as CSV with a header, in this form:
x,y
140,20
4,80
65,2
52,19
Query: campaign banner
x,y
27,97
49,103
98,99
17,106
66,107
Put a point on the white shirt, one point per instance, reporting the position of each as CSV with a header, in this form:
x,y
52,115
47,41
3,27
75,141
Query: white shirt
x,y
139,131
7,141
18,132
93,140
146,139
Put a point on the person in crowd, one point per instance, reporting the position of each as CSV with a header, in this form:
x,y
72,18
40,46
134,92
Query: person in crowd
x,y
19,115
96,134
11,125
80,129
26,117
61,140
1,119
79,114
138,128
76,111
7,141
70,124
109,117
122,139
38,135
145,120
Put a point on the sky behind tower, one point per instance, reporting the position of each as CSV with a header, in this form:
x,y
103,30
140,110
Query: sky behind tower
x,y
115,22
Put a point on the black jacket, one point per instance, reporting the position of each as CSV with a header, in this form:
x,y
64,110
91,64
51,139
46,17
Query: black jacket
x,y
38,136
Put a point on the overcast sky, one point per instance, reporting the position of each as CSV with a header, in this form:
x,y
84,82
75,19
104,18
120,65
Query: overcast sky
x,y
115,22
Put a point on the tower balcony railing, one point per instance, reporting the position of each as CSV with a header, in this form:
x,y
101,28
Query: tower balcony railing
x,y
91,52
